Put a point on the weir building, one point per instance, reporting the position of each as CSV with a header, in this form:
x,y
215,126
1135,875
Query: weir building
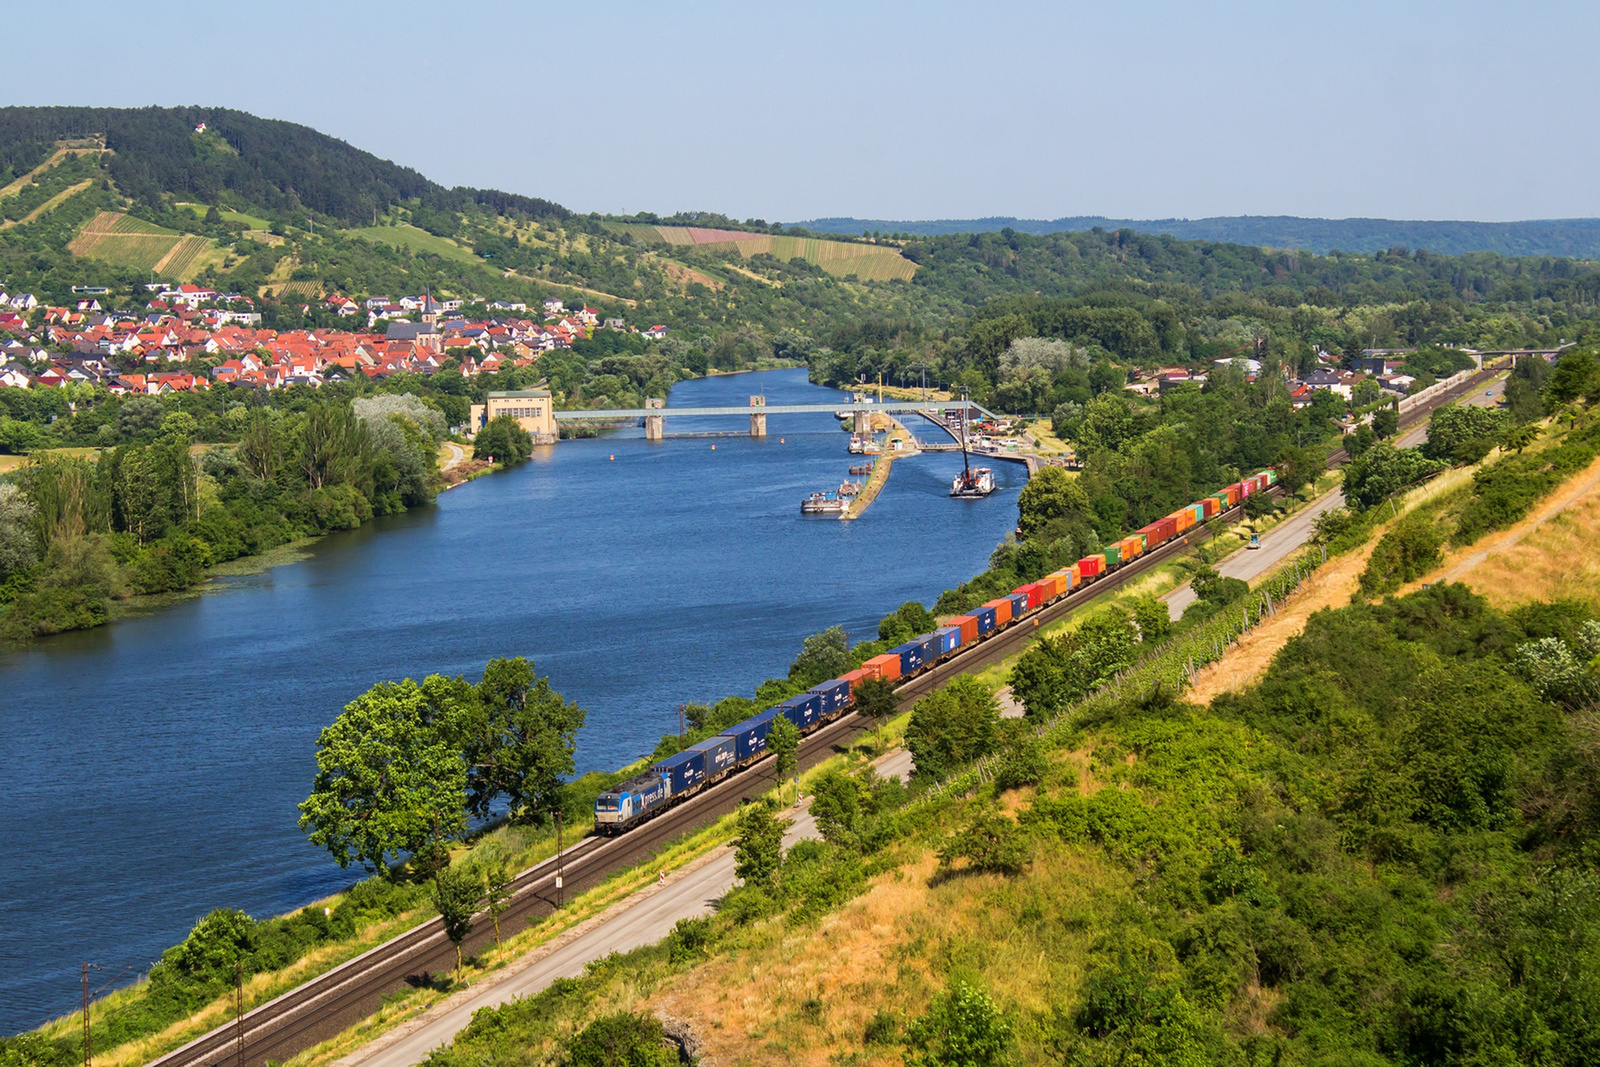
x,y
532,408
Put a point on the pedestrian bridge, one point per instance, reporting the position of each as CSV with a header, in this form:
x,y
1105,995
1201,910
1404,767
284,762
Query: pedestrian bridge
x,y
758,410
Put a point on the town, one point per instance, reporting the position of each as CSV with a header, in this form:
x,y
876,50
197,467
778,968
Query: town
x,y
189,337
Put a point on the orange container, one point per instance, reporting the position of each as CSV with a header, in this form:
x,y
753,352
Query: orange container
x,y
886,666
1211,506
1185,519
1131,547
855,678
1002,611
969,628
1074,576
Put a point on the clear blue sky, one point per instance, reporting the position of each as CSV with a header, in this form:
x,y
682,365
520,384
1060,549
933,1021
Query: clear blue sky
x,y
783,111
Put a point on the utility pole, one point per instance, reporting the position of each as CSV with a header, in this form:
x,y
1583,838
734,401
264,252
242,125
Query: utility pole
x,y
86,1053
238,1004
561,863
680,724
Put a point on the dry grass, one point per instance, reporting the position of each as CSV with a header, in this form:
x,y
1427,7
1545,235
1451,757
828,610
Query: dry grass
x,y
1553,554
684,275
805,997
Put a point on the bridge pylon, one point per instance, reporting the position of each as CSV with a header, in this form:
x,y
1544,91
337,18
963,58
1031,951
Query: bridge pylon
x,y
758,421
653,423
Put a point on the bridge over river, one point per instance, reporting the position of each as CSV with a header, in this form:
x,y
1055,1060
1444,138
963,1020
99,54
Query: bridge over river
x,y
655,416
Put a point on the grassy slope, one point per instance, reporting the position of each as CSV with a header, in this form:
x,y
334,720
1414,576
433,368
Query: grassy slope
x,y
417,240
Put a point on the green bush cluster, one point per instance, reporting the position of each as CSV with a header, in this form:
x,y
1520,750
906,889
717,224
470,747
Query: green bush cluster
x,y
1388,837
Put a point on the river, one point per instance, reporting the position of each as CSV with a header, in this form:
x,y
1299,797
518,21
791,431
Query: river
x,y
152,767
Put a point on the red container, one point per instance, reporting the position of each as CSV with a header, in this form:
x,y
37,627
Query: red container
x,y
1210,505
886,666
855,678
1036,594
1167,529
1091,566
969,628
1002,611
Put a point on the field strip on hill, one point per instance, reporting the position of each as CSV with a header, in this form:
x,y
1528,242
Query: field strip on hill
x,y
124,241
868,262
182,255
53,202
17,186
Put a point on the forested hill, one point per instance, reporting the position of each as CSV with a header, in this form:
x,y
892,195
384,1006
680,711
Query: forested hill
x,y
253,162
1574,238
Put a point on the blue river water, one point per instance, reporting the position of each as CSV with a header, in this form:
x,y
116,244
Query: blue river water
x,y
151,768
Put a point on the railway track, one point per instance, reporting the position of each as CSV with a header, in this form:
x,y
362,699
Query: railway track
x,y
323,1006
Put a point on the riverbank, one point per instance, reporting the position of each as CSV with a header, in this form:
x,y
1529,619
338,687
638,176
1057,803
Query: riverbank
x,y
198,723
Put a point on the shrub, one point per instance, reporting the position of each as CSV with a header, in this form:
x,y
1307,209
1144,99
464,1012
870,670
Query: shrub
x,y
1022,761
504,439
1383,470
1405,554
990,843
963,1028
621,1040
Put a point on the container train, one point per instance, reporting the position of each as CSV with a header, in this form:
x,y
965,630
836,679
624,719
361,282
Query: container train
x,y
698,766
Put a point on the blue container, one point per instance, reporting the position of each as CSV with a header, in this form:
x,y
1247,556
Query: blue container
x,y
802,710
835,695
910,655
683,772
1019,604
930,647
721,755
949,639
985,620
750,736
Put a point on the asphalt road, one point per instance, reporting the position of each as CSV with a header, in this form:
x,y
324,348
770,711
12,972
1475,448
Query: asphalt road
x,y
643,919
1249,563
1479,398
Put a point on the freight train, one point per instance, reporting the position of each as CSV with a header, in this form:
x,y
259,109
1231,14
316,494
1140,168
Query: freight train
x,y
700,765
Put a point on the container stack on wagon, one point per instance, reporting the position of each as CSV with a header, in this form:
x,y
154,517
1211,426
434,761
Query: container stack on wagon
x,y
708,761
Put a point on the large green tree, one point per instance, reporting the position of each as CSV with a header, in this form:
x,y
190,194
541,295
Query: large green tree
x,y
519,739
389,771
1051,494
952,726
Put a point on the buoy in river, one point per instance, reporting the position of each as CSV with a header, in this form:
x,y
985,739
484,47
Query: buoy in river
x,y
780,440
613,457
713,448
